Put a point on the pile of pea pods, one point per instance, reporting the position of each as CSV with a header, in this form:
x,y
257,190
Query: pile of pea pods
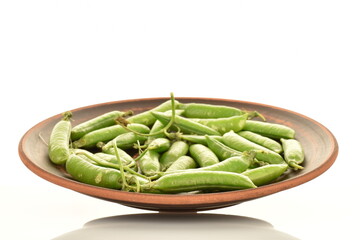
x,y
176,148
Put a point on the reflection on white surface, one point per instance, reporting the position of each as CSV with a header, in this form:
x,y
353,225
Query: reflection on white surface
x,y
176,226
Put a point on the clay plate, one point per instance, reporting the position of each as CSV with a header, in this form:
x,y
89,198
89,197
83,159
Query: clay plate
x,y
319,144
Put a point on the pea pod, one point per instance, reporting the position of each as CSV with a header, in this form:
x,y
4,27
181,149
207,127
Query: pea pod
x,y
198,138
271,130
199,180
149,163
96,159
159,145
182,163
203,155
176,150
265,174
125,157
261,140
236,164
106,134
220,149
125,140
239,143
104,120
224,125
202,110
58,148
147,117
89,160
293,153
156,127
83,171
186,125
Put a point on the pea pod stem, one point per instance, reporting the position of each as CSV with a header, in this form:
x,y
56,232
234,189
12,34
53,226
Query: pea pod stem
x,y
141,155
254,114
294,165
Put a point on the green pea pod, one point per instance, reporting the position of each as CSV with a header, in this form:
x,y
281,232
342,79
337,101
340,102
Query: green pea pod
x,y
293,153
186,125
198,138
159,145
128,140
156,127
58,148
111,151
104,120
176,150
182,163
239,143
83,171
201,110
106,134
199,181
261,140
147,117
149,163
125,157
237,164
89,160
95,158
220,149
265,174
203,155
271,130
224,125
125,140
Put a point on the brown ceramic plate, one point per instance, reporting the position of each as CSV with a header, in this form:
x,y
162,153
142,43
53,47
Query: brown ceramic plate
x,y
319,144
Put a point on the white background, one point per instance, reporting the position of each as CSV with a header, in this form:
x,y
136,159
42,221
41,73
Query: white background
x,y
298,55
